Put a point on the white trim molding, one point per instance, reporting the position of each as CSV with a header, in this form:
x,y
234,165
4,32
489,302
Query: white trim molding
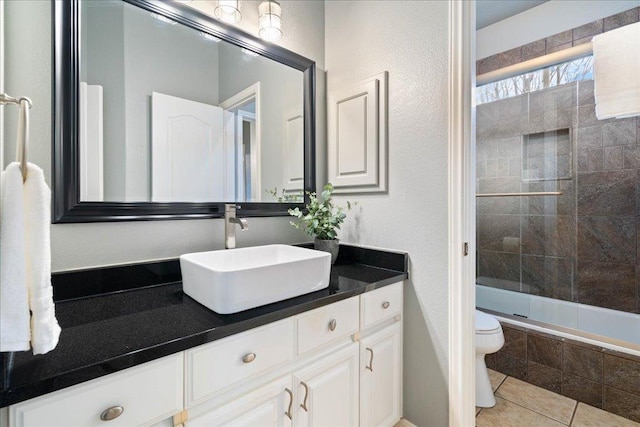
x,y
2,6
461,213
357,136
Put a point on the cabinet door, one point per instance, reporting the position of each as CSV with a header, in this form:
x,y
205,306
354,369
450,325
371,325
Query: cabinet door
x,y
268,406
381,377
327,391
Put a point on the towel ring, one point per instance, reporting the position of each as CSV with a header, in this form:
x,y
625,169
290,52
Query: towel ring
x,y
8,99
26,98
22,140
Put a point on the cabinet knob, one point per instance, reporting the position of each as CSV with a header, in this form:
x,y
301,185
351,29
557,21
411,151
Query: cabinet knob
x,y
333,324
386,305
248,358
111,413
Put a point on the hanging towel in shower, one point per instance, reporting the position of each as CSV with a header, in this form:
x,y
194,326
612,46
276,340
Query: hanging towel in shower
x,y
27,253
15,332
616,58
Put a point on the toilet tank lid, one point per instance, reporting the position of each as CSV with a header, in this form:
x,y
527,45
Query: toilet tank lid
x,y
486,322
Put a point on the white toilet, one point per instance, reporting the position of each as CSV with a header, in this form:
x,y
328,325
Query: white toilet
x,y
489,339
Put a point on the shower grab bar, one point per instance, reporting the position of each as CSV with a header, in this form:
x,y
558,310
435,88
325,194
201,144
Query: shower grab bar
x,y
23,128
534,64
537,193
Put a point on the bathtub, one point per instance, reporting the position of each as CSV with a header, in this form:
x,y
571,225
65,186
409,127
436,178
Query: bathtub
x,y
612,329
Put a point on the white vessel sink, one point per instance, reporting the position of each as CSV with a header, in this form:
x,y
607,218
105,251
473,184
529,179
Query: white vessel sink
x,y
232,280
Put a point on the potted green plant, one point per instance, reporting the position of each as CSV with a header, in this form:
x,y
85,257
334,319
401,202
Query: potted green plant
x,y
322,220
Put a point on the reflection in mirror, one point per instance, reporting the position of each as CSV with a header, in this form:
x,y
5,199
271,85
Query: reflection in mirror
x,y
171,114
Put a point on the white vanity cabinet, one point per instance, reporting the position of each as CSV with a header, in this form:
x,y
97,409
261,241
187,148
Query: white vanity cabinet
x,y
140,396
347,371
339,365
267,406
326,392
381,377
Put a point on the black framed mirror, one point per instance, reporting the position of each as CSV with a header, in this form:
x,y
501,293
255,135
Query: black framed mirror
x,y
257,156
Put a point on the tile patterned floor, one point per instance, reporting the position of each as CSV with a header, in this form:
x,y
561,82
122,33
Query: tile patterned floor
x,y
520,404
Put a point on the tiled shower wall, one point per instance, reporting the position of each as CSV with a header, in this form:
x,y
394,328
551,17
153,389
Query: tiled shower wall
x,y
581,246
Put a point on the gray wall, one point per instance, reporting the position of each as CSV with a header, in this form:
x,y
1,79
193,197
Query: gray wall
x,y
360,42
159,57
132,54
28,72
103,64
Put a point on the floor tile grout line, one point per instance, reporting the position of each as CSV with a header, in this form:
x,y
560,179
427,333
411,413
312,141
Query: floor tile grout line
x,y
501,382
573,416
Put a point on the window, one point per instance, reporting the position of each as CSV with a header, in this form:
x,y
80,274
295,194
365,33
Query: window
x,y
556,75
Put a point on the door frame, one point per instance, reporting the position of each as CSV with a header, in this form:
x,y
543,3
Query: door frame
x,y
251,93
254,149
462,390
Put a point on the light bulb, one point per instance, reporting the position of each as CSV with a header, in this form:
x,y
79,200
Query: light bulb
x,y
270,21
228,11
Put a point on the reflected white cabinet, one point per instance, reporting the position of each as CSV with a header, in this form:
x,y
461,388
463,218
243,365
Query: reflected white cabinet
x,y
381,377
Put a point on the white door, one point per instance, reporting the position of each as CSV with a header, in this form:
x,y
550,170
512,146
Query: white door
x,y
91,143
293,153
266,407
187,151
380,377
327,391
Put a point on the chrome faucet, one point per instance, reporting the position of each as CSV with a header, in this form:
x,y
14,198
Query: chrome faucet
x,y
230,222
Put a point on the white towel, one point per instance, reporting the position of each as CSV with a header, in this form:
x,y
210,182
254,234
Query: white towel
x,y
37,206
616,59
28,255
15,332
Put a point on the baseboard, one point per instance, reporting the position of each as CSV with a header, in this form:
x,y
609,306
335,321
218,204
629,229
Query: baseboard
x,y
405,423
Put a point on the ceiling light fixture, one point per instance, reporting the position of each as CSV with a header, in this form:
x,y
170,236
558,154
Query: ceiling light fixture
x,y
270,21
228,11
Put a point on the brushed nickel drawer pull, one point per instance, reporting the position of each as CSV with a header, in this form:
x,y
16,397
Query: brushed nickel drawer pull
x,y
370,367
386,305
111,413
333,324
306,395
288,413
248,358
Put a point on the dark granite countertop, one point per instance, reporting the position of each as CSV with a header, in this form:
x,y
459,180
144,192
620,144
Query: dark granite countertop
x,y
130,325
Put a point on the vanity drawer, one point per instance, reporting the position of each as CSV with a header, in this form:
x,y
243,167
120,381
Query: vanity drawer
x,y
148,394
212,367
328,323
380,305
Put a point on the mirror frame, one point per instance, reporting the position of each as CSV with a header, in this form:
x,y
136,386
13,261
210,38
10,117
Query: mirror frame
x,y
67,206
